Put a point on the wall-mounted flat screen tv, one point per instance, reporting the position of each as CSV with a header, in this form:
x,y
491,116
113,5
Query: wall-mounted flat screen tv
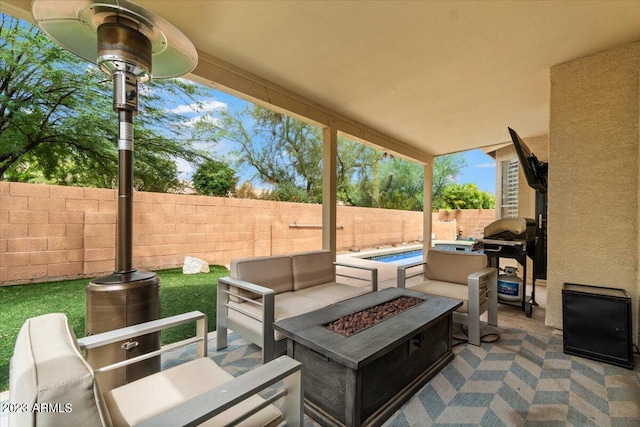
x,y
534,170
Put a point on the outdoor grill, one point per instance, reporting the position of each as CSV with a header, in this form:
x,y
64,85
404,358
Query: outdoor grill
x,y
522,238
513,238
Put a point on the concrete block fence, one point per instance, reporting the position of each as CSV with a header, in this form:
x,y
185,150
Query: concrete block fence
x,y
56,232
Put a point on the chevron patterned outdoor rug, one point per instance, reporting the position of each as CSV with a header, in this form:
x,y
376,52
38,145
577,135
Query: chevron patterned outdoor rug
x,y
521,380
524,380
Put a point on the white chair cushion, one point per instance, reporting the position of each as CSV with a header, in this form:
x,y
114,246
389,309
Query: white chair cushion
x,y
445,289
274,272
331,293
143,398
455,267
312,268
47,368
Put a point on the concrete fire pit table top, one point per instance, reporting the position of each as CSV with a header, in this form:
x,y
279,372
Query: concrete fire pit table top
x,y
357,350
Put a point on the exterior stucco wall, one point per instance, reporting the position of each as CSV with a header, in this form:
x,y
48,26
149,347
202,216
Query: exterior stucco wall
x,y
593,176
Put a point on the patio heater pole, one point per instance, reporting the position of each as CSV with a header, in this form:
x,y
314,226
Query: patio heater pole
x,y
124,53
132,296
124,241
127,37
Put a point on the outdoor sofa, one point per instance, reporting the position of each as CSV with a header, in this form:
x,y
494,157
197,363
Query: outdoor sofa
x,y
461,275
262,290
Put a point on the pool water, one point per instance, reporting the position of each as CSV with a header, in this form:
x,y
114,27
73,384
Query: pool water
x,y
399,258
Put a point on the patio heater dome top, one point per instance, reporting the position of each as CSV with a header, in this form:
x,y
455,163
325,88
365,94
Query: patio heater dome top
x,y
126,27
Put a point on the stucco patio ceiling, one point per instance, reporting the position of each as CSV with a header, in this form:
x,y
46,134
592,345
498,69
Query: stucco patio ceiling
x,y
438,77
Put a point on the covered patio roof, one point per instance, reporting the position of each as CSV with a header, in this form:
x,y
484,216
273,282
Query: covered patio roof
x,y
421,79
415,78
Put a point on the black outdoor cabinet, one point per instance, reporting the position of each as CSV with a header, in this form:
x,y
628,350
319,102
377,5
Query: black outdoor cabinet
x,y
597,324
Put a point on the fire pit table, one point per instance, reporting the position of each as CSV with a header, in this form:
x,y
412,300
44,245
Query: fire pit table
x,y
359,372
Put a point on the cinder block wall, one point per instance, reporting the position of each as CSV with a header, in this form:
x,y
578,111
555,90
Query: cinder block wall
x,y
54,232
468,222
44,232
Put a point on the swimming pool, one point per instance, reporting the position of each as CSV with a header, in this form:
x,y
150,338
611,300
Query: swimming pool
x,y
399,257
410,255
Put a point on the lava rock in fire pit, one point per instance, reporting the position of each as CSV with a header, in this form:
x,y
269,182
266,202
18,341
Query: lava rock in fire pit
x,y
356,322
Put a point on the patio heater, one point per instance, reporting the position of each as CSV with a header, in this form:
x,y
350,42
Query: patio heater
x,y
124,39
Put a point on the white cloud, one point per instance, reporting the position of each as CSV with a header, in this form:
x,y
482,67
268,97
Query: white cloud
x,y
485,165
185,169
186,81
211,105
209,119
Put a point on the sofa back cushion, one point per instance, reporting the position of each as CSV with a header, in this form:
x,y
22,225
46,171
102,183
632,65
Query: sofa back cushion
x,y
312,268
273,272
454,267
49,376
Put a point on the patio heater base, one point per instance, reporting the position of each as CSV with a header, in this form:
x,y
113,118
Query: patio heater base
x,y
117,301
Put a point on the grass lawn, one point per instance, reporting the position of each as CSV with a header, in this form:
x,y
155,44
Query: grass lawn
x,y
179,293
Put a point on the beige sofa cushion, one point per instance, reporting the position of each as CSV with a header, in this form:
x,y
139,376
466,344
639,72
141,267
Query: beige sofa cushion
x,y
47,368
445,289
331,293
286,305
312,268
274,272
141,399
454,267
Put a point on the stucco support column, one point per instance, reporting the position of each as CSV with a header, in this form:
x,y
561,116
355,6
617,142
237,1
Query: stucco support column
x,y
428,197
329,212
594,135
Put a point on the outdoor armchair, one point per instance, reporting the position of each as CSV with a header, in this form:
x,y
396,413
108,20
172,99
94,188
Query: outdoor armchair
x,y
52,384
460,275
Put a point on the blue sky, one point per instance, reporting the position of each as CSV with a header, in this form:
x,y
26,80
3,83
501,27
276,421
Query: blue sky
x,y
480,168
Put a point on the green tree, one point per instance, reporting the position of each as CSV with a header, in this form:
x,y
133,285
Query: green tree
x,y
358,174
289,192
445,170
285,152
466,196
402,185
215,178
57,123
